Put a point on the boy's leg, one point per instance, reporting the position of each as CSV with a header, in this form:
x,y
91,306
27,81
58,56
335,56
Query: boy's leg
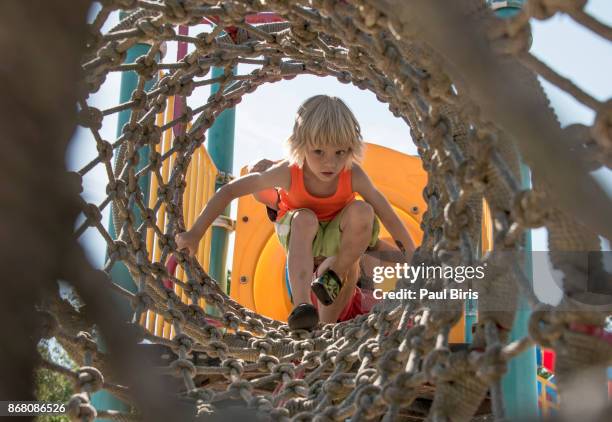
x,y
356,233
304,227
346,237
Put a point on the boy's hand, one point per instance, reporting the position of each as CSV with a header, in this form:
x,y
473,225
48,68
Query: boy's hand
x,y
187,240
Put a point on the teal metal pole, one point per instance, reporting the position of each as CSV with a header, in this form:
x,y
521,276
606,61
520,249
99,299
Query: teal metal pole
x,y
103,400
221,150
519,385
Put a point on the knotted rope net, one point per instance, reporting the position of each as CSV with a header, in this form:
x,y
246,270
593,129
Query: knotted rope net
x,y
438,66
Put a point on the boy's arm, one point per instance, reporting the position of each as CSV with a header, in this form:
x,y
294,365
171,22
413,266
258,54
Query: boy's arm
x,y
364,187
248,184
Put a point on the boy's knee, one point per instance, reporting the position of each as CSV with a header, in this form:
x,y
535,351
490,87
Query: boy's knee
x,y
359,212
305,221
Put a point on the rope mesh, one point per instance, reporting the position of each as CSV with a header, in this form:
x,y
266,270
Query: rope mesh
x,y
395,363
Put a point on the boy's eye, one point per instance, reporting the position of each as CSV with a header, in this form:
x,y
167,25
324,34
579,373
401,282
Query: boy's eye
x,y
318,151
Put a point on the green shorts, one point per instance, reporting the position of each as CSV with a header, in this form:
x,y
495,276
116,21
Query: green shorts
x,y
327,240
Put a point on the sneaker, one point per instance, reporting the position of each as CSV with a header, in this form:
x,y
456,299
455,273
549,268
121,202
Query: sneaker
x,y
303,317
327,287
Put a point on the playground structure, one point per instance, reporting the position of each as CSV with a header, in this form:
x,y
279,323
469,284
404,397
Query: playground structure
x,y
469,132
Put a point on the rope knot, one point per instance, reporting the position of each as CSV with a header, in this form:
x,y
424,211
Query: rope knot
x,y
234,365
111,54
369,349
146,66
178,12
133,132
187,116
284,369
262,345
302,34
90,378
155,29
436,365
174,315
457,219
368,401
217,349
338,385
346,357
254,324
182,341
93,214
86,341
90,117
260,404
266,363
183,365
231,320
528,209
235,12
544,327
279,414
79,409
210,332
303,346
105,150
297,388
115,189
391,362
139,99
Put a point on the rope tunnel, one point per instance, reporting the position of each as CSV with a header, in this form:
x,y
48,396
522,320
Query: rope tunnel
x,y
437,66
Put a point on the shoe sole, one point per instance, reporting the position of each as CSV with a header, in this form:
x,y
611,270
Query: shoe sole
x,y
304,322
321,293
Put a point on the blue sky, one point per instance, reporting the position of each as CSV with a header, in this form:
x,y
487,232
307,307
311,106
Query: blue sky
x,y
265,118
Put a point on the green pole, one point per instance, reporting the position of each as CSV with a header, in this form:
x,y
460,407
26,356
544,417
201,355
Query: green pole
x,y
103,400
221,150
519,385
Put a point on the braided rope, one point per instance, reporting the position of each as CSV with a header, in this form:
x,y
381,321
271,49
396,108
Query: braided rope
x,y
378,365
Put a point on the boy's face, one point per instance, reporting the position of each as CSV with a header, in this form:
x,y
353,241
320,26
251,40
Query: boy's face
x,y
326,162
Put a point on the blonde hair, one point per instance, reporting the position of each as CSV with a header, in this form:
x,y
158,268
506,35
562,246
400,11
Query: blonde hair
x,y
325,120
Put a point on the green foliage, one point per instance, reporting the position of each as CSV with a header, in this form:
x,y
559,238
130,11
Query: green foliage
x,y
51,386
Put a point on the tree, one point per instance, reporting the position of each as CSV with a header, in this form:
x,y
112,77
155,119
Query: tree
x,y
52,387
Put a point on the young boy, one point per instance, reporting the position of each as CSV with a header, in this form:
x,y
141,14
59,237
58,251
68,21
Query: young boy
x,y
318,214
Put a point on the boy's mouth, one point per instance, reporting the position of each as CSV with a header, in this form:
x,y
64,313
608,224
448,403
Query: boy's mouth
x,y
327,173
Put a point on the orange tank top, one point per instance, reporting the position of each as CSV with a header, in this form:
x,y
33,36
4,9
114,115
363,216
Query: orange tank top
x,y
325,208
